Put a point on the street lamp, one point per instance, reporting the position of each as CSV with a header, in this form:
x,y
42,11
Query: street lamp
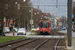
x,y
24,0
31,18
16,3
29,10
41,18
66,9
37,12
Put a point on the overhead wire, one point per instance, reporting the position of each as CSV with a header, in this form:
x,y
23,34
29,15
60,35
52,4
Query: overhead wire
x,y
38,4
59,10
44,6
57,5
53,1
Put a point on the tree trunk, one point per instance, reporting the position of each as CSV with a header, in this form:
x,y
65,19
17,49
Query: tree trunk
x,y
2,25
26,24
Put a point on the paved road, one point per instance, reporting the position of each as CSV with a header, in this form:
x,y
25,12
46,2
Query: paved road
x,y
11,34
28,35
65,31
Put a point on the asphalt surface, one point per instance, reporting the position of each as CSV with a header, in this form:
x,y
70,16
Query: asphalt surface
x,y
65,31
15,34
28,35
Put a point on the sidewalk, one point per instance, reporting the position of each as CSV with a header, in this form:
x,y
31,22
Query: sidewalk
x,y
73,43
73,39
65,31
15,34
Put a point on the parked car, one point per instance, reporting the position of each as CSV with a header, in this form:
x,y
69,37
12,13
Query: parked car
x,y
37,29
6,29
33,29
55,28
21,31
63,28
73,29
15,29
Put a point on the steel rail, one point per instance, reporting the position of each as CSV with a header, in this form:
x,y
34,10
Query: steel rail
x,y
56,44
17,41
14,48
40,44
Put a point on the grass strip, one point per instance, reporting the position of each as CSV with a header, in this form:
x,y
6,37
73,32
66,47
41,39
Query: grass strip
x,y
35,33
9,38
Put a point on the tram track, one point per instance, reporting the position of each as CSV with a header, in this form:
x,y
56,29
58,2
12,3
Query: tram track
x,y
48,45
36,43
36,48
30,46
16,44
60,45
56,44
14,48
5,44
41,44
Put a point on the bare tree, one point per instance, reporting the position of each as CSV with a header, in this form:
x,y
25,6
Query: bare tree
x,y
37,14
63,20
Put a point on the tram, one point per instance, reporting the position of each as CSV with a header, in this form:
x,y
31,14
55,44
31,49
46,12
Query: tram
x,y
44,26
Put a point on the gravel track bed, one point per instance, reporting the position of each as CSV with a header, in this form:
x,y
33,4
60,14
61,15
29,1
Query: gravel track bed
x,y
61,45
54,32
8,47
49,45
31,46
61,42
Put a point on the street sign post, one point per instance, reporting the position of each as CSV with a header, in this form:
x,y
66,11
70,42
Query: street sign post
x,y
31,21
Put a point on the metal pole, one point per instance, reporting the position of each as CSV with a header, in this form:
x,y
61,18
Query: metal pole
x,y
69,30
31,20
2,25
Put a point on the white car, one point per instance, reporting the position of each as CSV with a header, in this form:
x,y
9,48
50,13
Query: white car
x,y
37,29
21,31
15,29
6,29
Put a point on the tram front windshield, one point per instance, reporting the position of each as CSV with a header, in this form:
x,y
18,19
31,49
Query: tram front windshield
x,y
43,24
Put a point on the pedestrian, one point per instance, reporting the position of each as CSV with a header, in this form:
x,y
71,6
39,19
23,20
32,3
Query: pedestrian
x,y
13,31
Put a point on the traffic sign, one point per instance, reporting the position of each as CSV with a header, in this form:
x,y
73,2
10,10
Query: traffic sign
x,y
31,21
72,15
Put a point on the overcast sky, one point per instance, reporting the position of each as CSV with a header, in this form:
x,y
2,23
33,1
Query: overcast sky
x,y
59,11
